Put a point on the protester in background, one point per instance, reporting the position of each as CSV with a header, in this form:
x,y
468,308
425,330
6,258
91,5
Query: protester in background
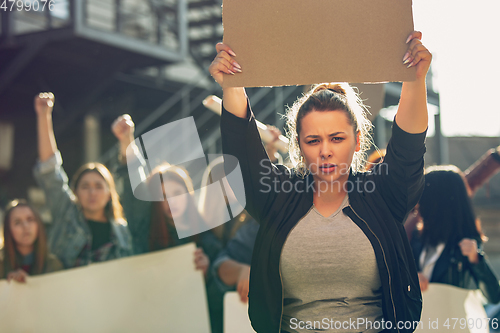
x,y
214,211
475,176
336,251
88,223
152,222
236,235
25,249
231,269
447,245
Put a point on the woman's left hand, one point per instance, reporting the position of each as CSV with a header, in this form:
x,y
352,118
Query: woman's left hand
x,y
417,55
469,249
201,261
19,276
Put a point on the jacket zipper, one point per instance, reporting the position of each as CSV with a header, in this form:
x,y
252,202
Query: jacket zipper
x,y
279,267
385,261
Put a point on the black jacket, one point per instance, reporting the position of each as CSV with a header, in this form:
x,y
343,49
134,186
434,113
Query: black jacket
x,y
278,199
454,268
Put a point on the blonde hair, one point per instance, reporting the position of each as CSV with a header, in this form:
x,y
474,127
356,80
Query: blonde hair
x,y
329,97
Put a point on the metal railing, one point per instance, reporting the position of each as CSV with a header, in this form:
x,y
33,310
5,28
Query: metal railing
x,y
158,22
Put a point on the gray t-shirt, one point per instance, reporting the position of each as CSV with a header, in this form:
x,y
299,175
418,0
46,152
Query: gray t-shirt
x,y
330,276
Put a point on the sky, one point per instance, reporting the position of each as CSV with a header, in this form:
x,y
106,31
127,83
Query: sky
x,y
464,38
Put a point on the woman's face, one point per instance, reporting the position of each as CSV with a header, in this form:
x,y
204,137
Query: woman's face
x,y
328,142
93,192
24,226
177,199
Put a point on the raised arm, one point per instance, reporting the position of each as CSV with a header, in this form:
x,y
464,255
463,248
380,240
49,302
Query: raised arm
x,y
400,178
47,147
48,171
412,111
64,241
234,99
137,212
123,129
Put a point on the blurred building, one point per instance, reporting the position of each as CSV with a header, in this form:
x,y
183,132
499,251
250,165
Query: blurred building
x,y
103,58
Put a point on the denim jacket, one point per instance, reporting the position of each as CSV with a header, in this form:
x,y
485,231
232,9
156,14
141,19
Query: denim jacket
x,y
69,236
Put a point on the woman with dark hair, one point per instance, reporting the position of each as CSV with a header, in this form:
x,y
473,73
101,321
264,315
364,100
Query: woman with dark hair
x,y
331,244
155,224
87,219
167,215
181,208
447,244
25,249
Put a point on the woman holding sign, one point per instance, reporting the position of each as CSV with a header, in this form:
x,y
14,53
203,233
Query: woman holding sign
x,y
331,248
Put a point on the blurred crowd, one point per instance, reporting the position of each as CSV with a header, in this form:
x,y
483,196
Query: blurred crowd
x,y
92,221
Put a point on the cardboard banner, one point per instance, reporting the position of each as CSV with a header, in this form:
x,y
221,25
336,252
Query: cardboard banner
x,y
158,292
296,42
236,314
452,309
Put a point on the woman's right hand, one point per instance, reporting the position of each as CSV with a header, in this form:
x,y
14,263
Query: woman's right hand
x,y
47,146
19,276
223,63
44,103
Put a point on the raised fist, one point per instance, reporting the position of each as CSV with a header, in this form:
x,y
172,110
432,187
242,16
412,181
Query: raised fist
x,y
44,102
123,128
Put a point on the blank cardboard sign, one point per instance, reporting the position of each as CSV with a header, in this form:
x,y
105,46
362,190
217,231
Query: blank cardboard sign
x,y
154,292
297,42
